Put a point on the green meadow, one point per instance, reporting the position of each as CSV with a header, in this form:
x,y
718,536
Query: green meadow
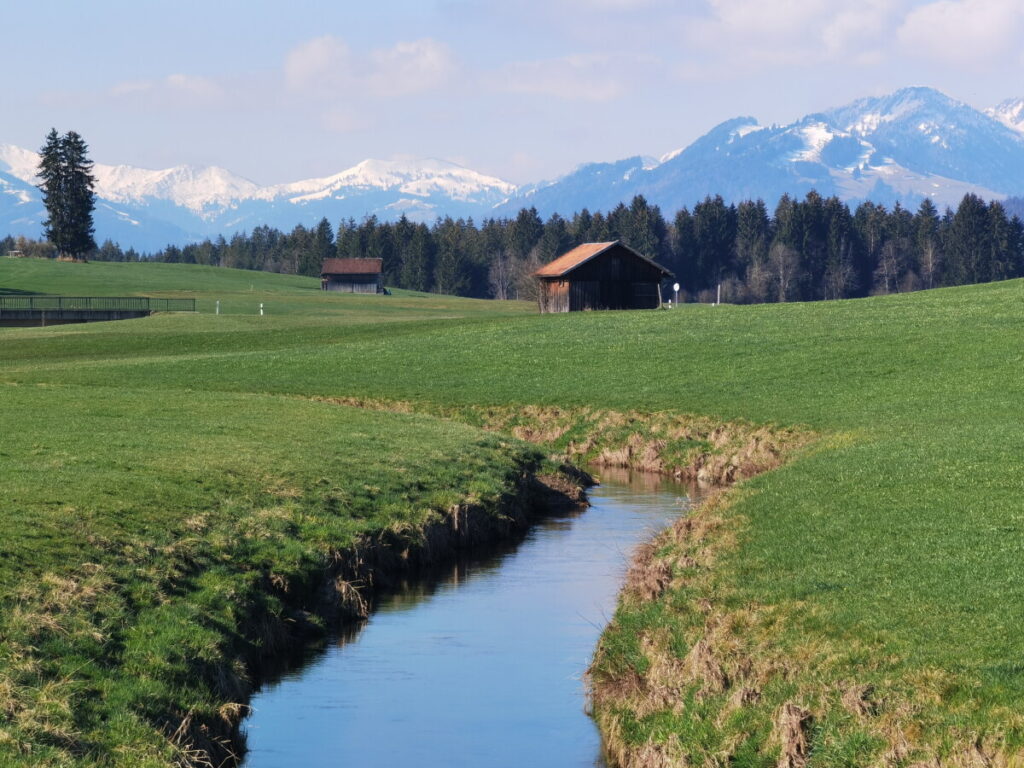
x,y
162,467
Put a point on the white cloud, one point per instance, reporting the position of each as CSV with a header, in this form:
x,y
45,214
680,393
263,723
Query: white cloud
x,y
410,67
797,31
317,62
964,31
614,5
175,90
574,78
327,64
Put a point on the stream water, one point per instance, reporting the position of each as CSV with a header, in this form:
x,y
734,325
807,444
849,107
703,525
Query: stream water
x,y
481,667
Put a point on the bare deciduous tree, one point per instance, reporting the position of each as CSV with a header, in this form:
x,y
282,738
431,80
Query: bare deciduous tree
x,y
783,263
501,277
929,261
838,275
888,269
758,281
527,287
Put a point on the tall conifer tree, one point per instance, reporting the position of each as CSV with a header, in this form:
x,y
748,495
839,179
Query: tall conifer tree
x,y
67,186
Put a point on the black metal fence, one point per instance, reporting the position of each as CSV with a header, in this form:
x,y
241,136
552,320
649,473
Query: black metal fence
x,y
96,304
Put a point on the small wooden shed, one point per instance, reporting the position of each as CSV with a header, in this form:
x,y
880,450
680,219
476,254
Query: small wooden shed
x,y
352,275
600,276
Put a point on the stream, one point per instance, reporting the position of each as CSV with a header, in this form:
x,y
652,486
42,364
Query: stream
x,y
480,667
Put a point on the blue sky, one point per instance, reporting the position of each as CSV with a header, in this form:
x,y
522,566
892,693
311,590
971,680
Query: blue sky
x,y
522,89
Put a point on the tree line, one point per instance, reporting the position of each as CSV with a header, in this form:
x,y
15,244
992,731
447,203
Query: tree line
x,y
803,250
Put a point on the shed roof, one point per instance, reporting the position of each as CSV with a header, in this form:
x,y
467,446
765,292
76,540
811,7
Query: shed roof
x,y
351,266
584,253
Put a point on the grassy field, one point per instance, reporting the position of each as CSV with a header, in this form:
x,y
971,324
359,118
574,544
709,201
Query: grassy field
x,y
885,558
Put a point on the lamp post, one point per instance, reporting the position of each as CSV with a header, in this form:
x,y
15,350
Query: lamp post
x,y
675,288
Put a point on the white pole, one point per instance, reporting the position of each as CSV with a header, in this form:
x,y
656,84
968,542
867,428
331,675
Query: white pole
x,y
218,306
719,299
261,309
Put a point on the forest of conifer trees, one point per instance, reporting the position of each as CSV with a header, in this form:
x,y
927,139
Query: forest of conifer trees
x,y
817,248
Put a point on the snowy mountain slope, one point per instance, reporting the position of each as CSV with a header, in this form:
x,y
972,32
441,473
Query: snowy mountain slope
x,y
201,190
911,144
1010,113
905,146
420,178
149,208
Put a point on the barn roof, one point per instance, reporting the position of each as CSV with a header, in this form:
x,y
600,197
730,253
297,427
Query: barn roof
x,y
584,253
351,267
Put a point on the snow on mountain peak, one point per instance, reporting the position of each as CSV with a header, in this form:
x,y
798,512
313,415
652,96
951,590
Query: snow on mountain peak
x,y
1010,113
192,187
20,163
418,177
210,189
816,135
864,117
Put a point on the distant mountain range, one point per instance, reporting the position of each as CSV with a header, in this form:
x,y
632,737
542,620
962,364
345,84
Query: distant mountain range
x,y
914,143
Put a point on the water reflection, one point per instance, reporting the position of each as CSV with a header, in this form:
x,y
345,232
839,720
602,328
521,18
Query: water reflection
x,y
479,665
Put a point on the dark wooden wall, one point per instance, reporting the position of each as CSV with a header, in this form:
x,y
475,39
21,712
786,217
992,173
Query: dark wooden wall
x,y
615,279
353,283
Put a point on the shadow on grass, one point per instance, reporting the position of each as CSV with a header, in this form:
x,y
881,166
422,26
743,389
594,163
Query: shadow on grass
x,y
18,292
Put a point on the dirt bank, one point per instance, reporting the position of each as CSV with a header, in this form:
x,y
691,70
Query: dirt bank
x,y
709,452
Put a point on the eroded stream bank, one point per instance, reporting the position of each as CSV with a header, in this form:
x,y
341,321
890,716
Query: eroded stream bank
x,y
481,667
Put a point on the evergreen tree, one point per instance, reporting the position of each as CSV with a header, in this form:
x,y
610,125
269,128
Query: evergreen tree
x,y
1001,259
67,186
525,232
753,234
646,231
580,227
968,244
51,176
322,248
555,240
714,231
599,231
81,198
927,235
683,249
838,275
449,268
418,260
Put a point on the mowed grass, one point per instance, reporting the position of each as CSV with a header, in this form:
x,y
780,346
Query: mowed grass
x,y
148,537
240,292
145,536
900,534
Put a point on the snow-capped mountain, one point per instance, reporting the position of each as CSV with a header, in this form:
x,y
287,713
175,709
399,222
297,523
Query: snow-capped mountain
x,y
417,179
1010,113
150,208
201,190
914,143
911,144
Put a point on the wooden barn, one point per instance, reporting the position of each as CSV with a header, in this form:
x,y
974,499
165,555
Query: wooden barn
x,y
600,276
352,275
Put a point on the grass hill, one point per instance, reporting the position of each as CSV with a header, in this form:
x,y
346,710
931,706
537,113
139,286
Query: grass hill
x,y
869,590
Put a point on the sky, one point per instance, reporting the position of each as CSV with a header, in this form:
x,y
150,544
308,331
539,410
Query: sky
x,y
520,89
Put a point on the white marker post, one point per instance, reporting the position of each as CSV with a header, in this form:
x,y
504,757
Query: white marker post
x,y
675,287
261,309
218,307
719,299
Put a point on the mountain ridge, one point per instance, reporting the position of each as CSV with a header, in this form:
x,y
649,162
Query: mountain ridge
x,y
902,146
